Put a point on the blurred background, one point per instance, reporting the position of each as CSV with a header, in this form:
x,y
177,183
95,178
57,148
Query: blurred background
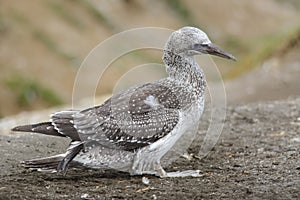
x,y
42,44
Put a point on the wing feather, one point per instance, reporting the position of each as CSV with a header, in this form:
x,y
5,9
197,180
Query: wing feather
x,y
130,120
63,122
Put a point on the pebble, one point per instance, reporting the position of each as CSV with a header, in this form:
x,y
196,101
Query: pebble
x,y
145,180
84,196
296,139
260,150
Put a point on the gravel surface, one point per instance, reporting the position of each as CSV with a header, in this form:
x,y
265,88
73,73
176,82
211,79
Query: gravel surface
x,y
256,157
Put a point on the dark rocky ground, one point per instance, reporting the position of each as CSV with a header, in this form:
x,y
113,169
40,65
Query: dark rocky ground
x,y
257,157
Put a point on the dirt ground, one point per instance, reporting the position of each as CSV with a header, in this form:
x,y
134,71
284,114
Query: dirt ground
x,y
257,157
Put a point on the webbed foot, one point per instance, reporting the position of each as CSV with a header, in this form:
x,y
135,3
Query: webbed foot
x,y
186,173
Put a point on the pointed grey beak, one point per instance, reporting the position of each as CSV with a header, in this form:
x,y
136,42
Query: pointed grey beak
x,y
214,50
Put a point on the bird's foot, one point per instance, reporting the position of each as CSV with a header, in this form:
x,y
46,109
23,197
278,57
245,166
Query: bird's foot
x,y
186,173
145,165
188,156
160,172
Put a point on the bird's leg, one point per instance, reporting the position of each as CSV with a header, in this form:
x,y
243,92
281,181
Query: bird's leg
x,y
151,165
143,164
157,170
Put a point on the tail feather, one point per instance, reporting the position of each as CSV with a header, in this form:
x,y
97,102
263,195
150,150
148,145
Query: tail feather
x,y
48,163
44,163
61,125
45,128
57,163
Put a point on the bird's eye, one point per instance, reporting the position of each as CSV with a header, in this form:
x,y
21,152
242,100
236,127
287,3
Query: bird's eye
x,y
197,46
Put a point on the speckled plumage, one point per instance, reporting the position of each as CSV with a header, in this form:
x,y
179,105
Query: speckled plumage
x,y
134,129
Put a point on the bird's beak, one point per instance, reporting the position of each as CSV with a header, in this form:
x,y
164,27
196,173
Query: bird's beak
x,y
214,50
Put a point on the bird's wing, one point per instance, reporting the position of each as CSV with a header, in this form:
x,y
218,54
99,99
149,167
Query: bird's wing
x,y
130,120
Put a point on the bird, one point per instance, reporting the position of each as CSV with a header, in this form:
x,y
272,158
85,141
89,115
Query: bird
x,y
133,130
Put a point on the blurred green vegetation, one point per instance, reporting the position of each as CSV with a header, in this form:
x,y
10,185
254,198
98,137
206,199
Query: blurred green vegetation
x,y
2,25
97,15
65,14
294,3
91,22
182,11
42,36
253,52
29,92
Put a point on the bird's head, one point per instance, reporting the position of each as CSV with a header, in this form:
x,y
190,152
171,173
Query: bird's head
x,y
190,41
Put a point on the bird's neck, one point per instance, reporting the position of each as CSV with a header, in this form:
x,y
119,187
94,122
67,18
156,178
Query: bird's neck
x,y
185,70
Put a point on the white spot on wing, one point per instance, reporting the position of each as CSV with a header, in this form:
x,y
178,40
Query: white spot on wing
x,y
151,101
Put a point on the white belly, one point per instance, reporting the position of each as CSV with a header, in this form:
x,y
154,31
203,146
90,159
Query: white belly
x,y
170,147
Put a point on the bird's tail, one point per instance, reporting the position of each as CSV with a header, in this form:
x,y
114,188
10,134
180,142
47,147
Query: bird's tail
x,y
45,128
49,164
